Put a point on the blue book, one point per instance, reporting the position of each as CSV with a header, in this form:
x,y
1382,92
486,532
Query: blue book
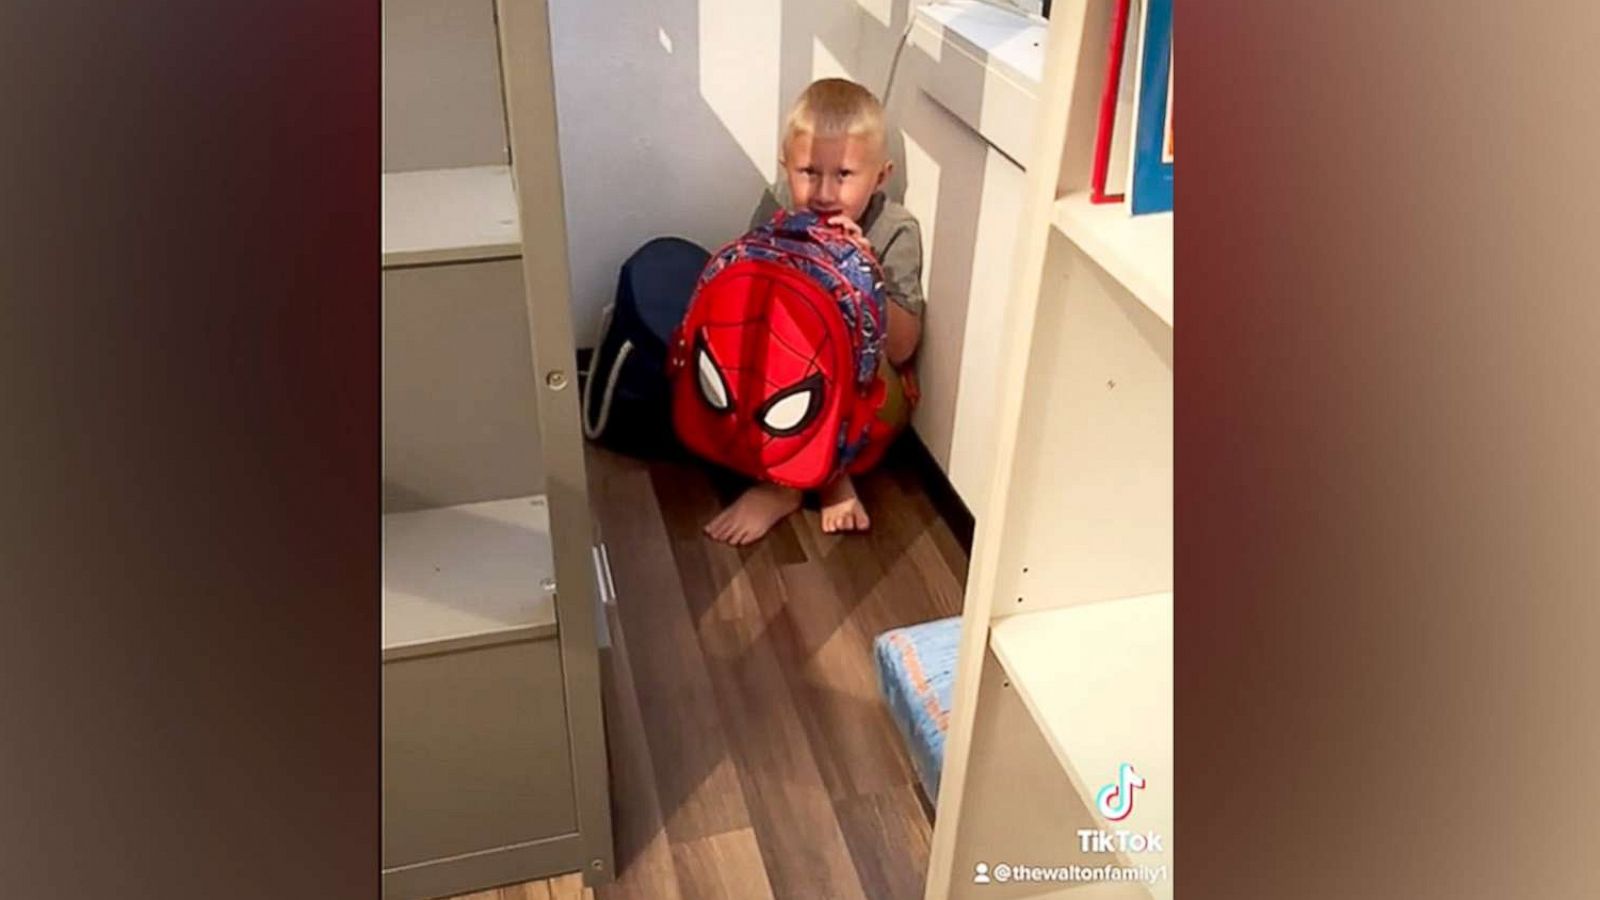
x,y
1150,178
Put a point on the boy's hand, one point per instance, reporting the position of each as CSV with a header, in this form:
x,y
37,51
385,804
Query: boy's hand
x,y
851,231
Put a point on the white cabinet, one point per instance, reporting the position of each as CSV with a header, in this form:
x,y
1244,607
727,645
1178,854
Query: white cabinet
x,y
1065,673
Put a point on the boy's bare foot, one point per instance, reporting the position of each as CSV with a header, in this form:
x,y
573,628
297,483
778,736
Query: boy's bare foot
x,y
753,514
841,508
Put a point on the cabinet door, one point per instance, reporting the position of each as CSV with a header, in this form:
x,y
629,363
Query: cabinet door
x,y
536,170
475,752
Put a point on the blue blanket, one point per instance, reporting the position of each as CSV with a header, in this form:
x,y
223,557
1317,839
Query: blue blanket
x,y
916,672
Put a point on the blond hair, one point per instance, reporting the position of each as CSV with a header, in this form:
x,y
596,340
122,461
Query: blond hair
x,y
835,107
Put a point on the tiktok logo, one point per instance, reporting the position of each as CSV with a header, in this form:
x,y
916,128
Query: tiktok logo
x,y
1115,800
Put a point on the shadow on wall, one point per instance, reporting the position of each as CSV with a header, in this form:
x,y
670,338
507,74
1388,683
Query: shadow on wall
x,y
670,114
643,153
947,171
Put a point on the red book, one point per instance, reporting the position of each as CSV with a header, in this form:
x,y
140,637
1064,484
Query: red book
x,y
1112,132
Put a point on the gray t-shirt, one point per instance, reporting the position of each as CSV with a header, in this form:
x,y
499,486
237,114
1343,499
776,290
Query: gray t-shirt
x,y
892,231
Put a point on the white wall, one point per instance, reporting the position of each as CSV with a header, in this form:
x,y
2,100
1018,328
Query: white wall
x,y
669,116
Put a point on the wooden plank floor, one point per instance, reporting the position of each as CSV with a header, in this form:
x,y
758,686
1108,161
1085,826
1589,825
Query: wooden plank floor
x,y
751,755
565,887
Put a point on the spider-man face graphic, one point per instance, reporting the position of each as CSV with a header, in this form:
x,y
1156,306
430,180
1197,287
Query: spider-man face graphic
x,y
766,370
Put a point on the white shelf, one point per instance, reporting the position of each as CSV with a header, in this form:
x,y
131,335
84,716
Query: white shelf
x,y
466,575
1135,250
449,215
1098,680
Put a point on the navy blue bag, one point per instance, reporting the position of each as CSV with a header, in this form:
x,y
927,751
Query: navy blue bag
x,y
627,401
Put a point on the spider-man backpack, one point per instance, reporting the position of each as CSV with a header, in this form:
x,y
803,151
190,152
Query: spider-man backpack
x,y
775,366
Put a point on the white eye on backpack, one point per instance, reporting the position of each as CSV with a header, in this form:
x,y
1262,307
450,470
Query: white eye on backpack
x,y
790,411
787,413
712,386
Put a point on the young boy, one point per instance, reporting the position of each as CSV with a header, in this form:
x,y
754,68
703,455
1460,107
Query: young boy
x,y
835,163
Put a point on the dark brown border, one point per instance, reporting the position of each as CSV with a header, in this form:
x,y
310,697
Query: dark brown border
x,y
189,378
1386,439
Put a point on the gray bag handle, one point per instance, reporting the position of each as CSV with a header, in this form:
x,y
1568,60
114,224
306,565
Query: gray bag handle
x,y
592,430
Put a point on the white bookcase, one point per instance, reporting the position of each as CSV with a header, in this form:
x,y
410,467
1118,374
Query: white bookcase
x,y
1065,671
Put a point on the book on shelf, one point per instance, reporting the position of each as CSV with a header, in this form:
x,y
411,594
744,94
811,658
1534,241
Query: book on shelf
x,y
1113,137
1150,170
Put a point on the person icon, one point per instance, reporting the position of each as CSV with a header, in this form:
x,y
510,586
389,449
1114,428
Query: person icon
x,y
982,874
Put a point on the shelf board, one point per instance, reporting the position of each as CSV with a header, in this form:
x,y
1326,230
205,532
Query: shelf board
x,y
468,575
1135,250
1097,678
449,215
